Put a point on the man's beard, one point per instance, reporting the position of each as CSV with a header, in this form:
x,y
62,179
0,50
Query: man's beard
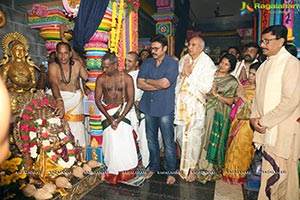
x,y
248,59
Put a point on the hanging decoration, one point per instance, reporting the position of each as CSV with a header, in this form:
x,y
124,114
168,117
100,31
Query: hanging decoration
x,y
116,26
71,7
133,5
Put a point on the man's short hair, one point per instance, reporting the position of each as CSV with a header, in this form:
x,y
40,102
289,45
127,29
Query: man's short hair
x,y
279,31
63,43
160,39
234,47
134,54
111,57
254,45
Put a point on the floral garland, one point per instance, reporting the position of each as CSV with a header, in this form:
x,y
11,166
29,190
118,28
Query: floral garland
x,y
58,146
116,26
12,176
133,5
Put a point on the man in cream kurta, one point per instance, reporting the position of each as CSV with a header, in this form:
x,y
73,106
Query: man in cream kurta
x,y
196,75
275,110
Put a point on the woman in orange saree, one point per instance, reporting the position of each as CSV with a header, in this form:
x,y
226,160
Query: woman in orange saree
x,y
240,150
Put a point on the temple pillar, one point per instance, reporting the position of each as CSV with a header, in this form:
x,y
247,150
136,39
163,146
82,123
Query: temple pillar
x,y
47,18
165,22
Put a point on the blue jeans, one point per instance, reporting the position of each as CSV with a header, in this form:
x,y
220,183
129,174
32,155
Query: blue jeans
x,y
165,123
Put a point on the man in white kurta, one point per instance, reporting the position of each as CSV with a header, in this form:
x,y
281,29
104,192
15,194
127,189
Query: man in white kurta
x,y
274,114
250,55
196,75
137,118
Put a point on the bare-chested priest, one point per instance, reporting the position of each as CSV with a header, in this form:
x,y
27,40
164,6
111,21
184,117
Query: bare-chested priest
x,y
114,96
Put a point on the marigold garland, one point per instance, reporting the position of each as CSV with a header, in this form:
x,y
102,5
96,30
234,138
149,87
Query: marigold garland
x,y
12,176
116,26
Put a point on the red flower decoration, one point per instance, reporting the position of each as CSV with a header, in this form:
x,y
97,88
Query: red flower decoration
x,y
133,5
25,137
71,151
24,127
44,122
33,129
66,139
54,157
44,135
46,148
29,108
35,103
32,144
26,117
44,101
26,148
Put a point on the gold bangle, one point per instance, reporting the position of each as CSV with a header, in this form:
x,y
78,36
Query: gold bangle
x,y
59,99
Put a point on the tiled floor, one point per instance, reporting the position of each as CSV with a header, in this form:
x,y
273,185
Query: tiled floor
x,y
225,191
157,189
154,189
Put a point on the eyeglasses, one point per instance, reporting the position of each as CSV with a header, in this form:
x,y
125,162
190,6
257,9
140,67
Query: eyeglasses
x,y
155,48
267,41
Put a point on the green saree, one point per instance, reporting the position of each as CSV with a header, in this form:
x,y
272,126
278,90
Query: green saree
x,y
217,124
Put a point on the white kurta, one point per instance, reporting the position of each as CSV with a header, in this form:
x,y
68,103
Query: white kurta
x,y
238,68
190,109
140,127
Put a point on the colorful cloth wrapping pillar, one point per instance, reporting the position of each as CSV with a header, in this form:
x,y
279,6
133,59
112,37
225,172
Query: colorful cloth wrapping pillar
x,y
288,19
265,16
272,13
278,13
129,36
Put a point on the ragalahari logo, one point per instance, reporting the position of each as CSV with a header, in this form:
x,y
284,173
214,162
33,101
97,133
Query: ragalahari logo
x,y
246,8
252,8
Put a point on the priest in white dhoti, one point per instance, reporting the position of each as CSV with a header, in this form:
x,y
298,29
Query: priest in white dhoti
x,y
196,75
64,78
114,96
73,103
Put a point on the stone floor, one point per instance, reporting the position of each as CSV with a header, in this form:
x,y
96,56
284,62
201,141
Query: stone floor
x,y
156,189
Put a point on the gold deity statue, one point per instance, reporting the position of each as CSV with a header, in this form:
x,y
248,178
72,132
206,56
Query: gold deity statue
x,y
17,70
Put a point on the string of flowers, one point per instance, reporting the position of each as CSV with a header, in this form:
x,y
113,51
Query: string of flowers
x,y
133,5
37,134
12,177
116,26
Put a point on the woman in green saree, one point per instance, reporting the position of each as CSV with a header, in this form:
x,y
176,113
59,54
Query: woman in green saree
x,y
217,122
